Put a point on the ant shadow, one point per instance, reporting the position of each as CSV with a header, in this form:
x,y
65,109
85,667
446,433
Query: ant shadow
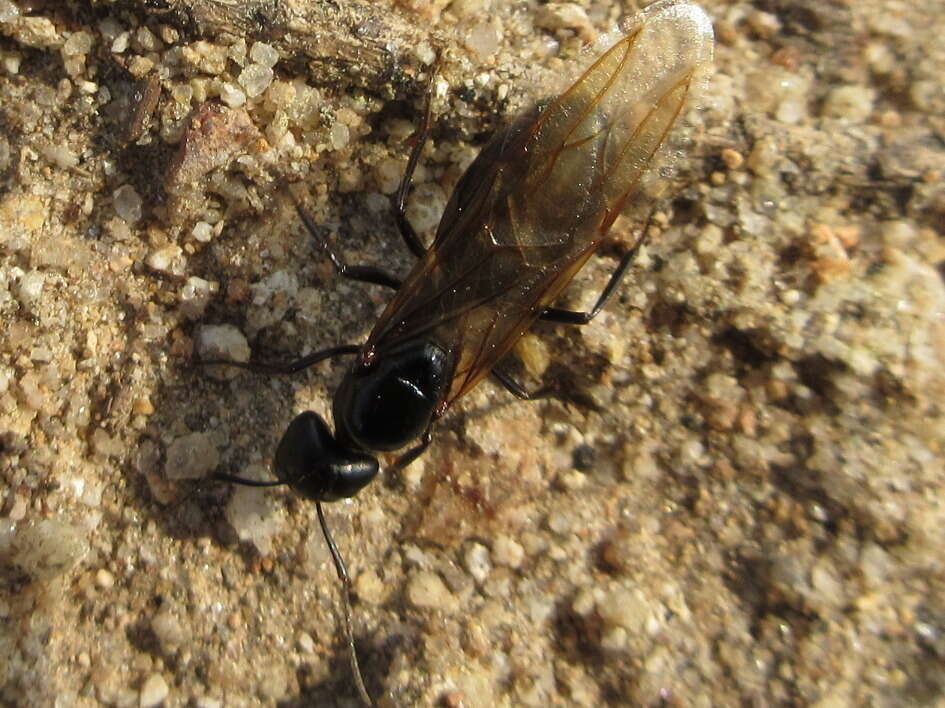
x,y
241,419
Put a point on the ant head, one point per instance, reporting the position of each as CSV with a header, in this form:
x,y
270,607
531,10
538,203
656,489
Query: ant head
x,y
387,401
312,462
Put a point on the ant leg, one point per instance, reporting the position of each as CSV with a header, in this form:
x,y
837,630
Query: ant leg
x,y
413,453
400,215
562,316
362,273
517,390
290,367
233,479
557,314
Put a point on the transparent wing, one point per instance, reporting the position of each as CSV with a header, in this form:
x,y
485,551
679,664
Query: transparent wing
x,y
542,195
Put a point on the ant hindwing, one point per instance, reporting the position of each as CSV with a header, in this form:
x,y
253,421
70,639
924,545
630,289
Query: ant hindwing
x,y
530,210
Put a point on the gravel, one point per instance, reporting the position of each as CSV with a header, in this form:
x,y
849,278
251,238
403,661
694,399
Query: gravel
x,y
760,520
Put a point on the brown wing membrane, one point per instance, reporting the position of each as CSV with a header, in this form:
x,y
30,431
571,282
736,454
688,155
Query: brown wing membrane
x,y
541,196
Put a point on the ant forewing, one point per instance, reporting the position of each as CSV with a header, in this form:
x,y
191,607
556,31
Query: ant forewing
x,y
535,204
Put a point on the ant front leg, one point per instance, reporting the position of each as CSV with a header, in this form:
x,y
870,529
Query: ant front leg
x,y
414,244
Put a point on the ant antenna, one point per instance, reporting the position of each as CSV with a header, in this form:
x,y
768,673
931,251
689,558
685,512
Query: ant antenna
x,y
346,596
340,568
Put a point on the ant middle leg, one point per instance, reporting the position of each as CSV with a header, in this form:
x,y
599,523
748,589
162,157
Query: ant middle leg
x,y
413,453
289,367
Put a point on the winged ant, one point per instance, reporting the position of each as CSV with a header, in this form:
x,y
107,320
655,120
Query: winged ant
x,y
536,203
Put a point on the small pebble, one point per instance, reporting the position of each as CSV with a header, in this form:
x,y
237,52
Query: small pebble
x,y
18,510
898,234
507,551
764,24
534,353
61,156
127,203
617,551
483,39
49,548
30,288
169,631
572,480
104,579
139,65
153,691
853,103
168,259
786,57
629,609
38,32
120,44
477,561
565,15
924,94
453,699
252,516
427,590
147,40
733,159
340,135
224,342
559,523
305,643
467,8
191,456
387,172
182,93
425,208
78,43
263,54
583,458
232,95
142,406
195,296
10,62
202,232
255,79
369,587
8,11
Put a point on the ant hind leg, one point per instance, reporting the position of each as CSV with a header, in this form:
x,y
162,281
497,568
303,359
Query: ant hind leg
x,y
517,390
572,317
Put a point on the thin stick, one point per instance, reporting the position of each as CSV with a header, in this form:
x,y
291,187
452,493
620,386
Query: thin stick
x,y
346,596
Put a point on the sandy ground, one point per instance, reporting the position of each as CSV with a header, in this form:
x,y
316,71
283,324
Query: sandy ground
x,y
734,497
